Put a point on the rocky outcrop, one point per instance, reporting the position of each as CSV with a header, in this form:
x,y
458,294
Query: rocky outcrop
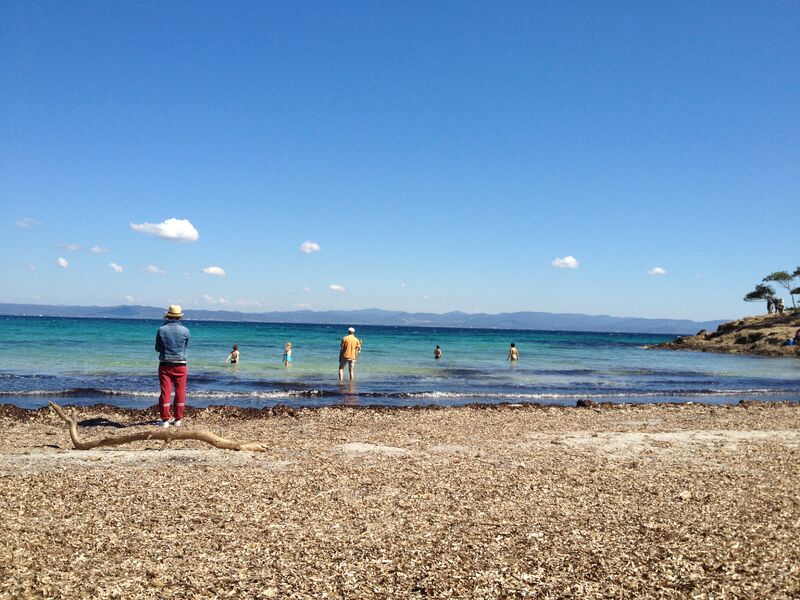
x,y
764,334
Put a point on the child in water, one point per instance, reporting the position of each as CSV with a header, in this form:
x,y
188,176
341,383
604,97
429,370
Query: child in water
x,y
287,355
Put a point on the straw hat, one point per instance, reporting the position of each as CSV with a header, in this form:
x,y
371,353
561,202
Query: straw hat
x,y
174,312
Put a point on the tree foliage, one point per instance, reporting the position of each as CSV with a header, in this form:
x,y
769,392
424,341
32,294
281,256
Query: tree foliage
x,y
781,277
764,292
760,293
784,279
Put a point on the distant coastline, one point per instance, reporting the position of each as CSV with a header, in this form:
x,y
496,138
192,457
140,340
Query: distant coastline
x,y
541,321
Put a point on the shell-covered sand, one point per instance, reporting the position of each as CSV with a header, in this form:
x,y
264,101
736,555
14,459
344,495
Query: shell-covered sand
x,y
682,501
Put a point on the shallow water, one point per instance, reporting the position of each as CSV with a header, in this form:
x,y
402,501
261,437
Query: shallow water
x,y
87,361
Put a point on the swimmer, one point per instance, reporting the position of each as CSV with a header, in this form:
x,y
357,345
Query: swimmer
x,y
513,353
233,357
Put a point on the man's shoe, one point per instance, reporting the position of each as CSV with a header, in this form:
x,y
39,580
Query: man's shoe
x,y
177,422
164,424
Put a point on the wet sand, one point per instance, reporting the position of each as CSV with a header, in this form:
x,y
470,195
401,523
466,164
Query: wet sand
x,y
682,501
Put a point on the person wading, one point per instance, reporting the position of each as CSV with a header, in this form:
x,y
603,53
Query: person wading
x,y
348,353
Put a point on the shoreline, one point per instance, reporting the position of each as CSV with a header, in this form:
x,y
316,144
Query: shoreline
x,y
12,411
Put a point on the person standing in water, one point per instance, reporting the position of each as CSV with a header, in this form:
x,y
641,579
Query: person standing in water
x,y
437,352
233,357
287,355
348,353
513,353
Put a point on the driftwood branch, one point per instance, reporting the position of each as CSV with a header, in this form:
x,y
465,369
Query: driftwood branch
x,y
165,435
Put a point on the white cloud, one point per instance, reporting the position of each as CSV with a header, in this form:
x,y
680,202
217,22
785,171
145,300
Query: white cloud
x,y
179,230
307,290
153,269
303,305
27,223
216,271
657,271
244,302
99,250
337,288
186,273
211,300
62,262
30,266
402,285
308,247
115,266
424,297
129,298
568,262
73,247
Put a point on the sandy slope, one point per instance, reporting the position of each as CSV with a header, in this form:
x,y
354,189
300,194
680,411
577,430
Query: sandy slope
x,y
670,501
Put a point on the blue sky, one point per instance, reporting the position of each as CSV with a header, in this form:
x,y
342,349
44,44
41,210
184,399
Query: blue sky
x,y
441,156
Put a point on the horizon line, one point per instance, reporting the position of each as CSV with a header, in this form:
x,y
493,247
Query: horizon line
x,y
356,310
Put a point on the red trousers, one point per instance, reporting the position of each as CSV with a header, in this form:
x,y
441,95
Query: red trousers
x,y
169,375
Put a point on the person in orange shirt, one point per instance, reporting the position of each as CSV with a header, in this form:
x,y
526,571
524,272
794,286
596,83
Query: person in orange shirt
x,y
348,353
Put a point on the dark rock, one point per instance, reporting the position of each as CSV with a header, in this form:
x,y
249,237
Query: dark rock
x,y
750,403
586,403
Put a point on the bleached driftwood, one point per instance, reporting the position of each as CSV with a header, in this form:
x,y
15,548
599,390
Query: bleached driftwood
x,y
165,435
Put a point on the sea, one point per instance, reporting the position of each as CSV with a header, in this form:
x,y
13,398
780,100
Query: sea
x,y
113,361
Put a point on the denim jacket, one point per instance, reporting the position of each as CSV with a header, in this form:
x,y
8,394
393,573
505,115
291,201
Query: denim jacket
x,y
172,340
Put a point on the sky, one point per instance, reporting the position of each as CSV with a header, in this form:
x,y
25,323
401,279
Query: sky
x,y
624,158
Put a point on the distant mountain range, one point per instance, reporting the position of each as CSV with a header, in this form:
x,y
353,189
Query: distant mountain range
x,y
516,320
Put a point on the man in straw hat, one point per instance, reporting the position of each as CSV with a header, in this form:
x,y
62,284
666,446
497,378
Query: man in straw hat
x,y
348,353
172,340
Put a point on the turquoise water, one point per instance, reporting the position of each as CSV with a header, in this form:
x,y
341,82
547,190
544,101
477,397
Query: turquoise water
x,y
86,361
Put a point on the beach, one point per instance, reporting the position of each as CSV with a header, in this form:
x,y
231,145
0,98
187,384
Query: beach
x,y
683,501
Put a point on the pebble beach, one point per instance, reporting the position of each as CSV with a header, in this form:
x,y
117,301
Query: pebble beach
x,y
626,501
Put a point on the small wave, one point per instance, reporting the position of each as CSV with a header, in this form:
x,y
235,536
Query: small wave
x,y
434,395
90,392
265,394
563,371
204,378
78,392
425,395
